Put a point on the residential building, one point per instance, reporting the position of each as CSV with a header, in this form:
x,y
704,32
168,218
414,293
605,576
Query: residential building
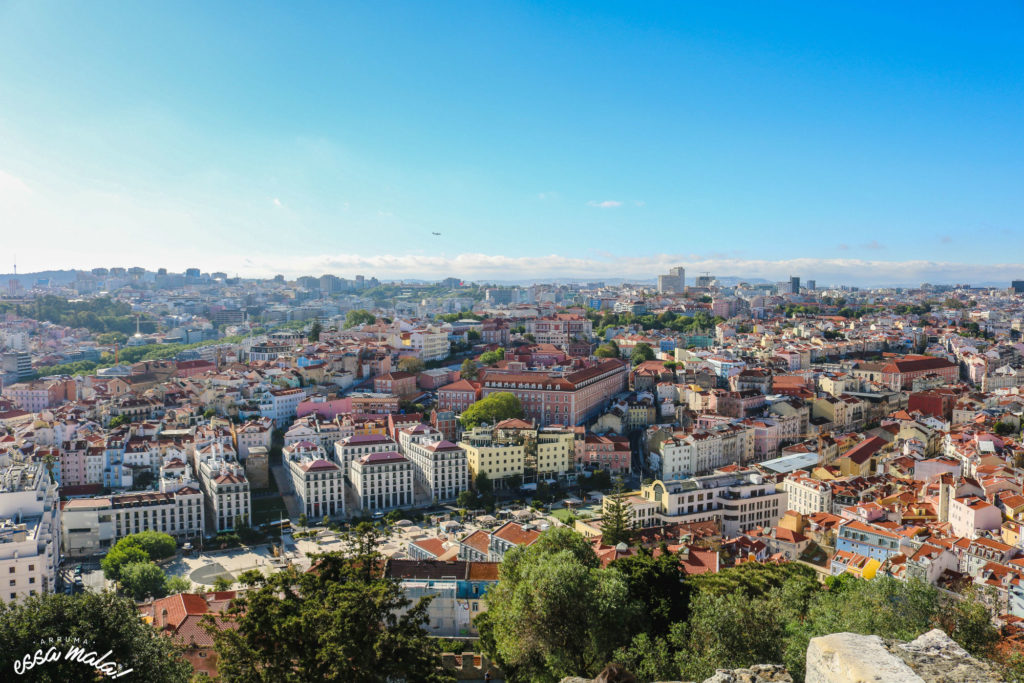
x,y
382,480
686,453
490,452
318,482
872,541
560,329
807,495
610,453
351,448
560,398
280,405
458,396
456,591
395,382
253,433
225,486
735,501
439,466
181,617
29,531
93,525
971,514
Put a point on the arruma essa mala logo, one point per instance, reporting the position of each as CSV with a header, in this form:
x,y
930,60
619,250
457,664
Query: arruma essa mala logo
x,y
70,650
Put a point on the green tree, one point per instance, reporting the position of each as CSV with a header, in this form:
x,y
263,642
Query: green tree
x,y
359,317
600,480
104,621
412,365
222,583
314,331
119,556
250,577
469,369
553,612
468,500
118,421
492,409
608,350
659,585
1004,429
303,520
616,525
492,357
143,579
177,584
340,621
727,631
157,545
641,352
111,338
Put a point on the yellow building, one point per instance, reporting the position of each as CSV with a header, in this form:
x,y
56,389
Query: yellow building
x,y
555,450
497,457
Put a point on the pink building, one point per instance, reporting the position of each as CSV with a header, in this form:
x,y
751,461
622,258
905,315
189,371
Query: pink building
x,y
969,515
611,453
458,396
328,410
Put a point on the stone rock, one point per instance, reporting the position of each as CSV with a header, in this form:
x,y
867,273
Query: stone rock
x,y
759,673
854,658
932,658
936,658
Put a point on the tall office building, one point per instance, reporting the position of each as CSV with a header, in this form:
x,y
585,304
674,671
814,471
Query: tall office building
x,y
705,280
674,282
812,285
1018,286
794,284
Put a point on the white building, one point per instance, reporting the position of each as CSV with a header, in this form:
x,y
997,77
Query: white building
x,y
29,530
806,495
351,448
970,514
226,488
280,405
737,502
253,433
685,454
318,482
93,525
439,466
382,481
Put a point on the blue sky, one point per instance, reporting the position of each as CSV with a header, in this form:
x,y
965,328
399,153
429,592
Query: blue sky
x,y
875,142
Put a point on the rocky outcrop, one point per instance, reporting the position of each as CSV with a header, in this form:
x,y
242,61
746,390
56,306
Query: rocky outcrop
x,y
855,658
760,673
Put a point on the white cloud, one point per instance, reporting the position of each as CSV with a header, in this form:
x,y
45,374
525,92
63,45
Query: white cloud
x,y
606,204
639,202
277,203
12,185
475,266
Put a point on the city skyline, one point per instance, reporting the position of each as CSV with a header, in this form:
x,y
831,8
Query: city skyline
x,y
870,145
